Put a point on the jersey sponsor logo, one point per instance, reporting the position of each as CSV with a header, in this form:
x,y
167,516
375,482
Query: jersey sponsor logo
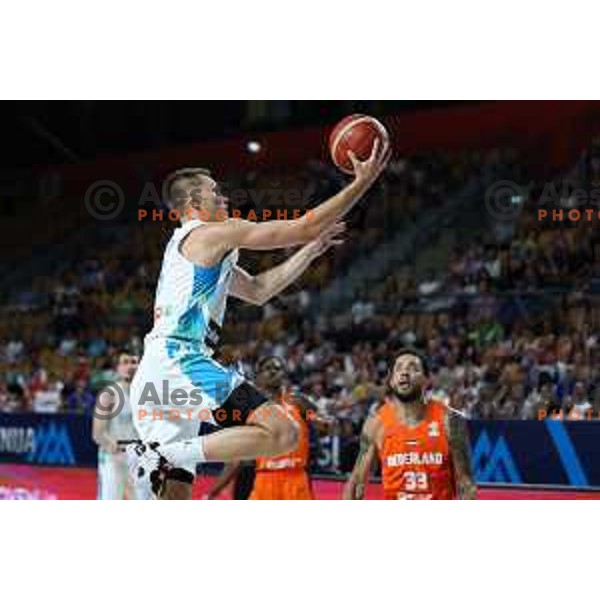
x,y
411,496
493,462
161,312
414,458
282,463
157,314
434,429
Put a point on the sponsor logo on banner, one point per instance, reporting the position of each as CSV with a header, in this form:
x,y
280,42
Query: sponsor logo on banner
x,y
22,493
47,443
567,453
17,440
493,462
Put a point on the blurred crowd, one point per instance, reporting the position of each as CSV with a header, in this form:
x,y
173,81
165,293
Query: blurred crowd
x,y
508,316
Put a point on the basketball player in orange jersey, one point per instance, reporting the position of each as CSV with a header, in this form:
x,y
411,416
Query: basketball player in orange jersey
x,y
422,444
284,476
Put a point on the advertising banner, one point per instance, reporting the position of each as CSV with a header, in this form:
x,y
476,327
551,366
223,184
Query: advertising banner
x,y
39,439
547,453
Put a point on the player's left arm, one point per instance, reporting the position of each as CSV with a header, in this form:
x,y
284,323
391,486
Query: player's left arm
x,y
259,289
458,436
355,486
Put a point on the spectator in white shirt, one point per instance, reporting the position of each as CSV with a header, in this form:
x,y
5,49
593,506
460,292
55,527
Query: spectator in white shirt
x,y
429,285
48,398
13,350
579,403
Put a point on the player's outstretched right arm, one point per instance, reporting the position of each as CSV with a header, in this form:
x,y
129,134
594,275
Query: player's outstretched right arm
x,y
209,244
356,484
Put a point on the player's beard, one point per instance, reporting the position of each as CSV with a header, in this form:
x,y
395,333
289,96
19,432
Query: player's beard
x,y
271,386
413,395
274,388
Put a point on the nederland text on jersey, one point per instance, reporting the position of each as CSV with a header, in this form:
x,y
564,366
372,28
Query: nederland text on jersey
x,y
415,458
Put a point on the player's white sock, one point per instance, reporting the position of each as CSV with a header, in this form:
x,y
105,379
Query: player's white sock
x,y
183,452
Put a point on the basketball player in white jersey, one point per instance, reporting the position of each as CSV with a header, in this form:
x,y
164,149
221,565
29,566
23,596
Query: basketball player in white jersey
x,y
177,374
112,426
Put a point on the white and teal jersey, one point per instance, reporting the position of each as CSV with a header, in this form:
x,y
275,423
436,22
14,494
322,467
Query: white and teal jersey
x,y
191,300
189,309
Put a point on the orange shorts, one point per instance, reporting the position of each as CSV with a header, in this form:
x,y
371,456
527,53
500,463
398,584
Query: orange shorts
x,y
281,485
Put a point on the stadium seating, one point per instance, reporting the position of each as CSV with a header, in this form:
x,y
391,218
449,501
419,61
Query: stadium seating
x,y
506,311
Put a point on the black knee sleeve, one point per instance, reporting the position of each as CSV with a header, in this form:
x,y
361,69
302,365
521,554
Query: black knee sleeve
x,y
239,405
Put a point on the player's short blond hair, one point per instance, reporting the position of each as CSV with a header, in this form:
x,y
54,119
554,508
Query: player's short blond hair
x,y
170,199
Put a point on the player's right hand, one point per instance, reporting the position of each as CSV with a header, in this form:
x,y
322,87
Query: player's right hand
x,y
369,170
330,237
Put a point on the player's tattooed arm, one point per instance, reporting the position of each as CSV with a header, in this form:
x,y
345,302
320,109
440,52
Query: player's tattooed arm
x,y
259,289
461,455
357,482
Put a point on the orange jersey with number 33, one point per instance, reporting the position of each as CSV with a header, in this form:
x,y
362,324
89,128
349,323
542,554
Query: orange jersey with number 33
x,y
416,463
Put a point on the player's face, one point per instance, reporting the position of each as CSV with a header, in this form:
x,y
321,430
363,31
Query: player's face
x,y
408,378
271,373
206,195
127,366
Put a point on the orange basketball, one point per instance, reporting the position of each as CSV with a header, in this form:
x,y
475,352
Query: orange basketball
x,y
357,133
